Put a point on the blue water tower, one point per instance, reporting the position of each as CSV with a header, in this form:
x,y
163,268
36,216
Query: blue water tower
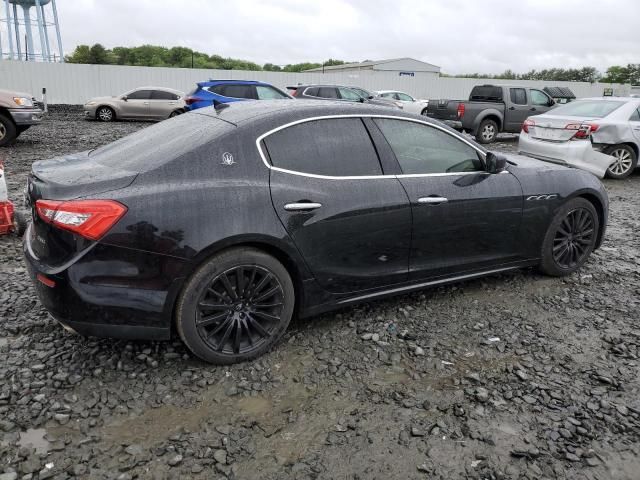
x,y
17,31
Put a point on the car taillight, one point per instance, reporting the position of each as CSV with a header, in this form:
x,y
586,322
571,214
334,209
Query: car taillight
x,y
460,110
191,100
528,123
583,130
88,218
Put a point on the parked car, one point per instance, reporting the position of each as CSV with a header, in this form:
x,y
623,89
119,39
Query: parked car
x,y
144,103
601,135
18,112
405,101
288,208
339,92
213,92
491,109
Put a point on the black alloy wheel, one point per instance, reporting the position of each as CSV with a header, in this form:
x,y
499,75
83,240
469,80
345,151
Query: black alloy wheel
x,y
236,306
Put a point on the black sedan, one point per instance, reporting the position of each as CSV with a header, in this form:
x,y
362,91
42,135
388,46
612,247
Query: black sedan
x,y
226,222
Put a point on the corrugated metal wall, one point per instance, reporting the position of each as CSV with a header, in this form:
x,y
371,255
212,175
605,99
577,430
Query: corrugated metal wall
x,y
74,84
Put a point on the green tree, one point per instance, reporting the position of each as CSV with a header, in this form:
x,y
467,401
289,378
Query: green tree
x,y
98,55
80,55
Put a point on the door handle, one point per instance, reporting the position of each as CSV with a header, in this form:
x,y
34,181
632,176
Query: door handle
x,y
146,103
533,109
512,108
302,206
433,200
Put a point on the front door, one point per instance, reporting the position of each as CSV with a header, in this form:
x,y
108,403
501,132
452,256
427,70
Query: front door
x,y
137,104
351,224
464,219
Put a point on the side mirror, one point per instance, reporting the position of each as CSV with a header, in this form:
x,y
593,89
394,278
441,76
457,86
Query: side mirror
x,y
125,98
370,97
552,102
362,100
495,163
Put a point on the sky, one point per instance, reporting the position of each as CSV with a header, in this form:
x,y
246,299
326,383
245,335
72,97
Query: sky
x,y
461,36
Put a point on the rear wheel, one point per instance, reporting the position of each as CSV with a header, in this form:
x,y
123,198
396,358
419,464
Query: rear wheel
x,y
236,306
626,161
424,112
571,238
8,131
105,114
487,131
175,113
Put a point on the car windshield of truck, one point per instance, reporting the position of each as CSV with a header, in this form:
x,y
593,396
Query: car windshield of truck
x,y
587,108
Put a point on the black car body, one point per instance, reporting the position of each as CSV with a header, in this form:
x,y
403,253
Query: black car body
x,y
339,93
317,186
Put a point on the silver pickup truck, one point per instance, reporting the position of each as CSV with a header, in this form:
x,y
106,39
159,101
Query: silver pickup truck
x,y
18,112
491,109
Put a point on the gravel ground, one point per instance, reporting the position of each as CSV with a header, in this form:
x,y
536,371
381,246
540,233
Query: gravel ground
x,y
510,377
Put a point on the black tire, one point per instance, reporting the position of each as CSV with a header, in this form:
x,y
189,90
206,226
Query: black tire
x,y
8,132
570,239
20,222
626,161
487,131
424,112
105,114
221,315
175,113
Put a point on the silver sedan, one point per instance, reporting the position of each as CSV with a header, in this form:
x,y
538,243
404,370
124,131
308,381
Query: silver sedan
x,y
601,135
144,103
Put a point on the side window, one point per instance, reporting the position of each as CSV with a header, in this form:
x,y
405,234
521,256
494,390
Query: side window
x,y
518,96
139,95
162,95
404,97
338,147
422,149
636,116
311,92
268,93
388,95
239,91
348,94
538,98
327,92
217,89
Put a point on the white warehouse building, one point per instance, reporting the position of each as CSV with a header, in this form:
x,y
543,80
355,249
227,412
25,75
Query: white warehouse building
x,y
409,67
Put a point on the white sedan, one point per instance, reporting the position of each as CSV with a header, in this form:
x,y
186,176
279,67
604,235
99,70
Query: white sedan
x,y
405,101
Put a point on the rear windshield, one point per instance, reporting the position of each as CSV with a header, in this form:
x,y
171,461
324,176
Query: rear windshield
x,y
587,108
487,93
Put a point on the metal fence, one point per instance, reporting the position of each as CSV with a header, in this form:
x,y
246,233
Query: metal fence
x,y
74,84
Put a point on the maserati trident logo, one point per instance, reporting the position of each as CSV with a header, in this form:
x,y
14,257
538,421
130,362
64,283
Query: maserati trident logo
x,y
227,159
549,196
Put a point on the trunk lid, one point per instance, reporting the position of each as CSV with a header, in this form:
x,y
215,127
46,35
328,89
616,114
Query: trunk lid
x,y
552,128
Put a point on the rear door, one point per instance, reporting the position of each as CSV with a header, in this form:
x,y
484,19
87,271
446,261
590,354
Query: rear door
x,y
137,105
162,103
464,219
351,223
518,110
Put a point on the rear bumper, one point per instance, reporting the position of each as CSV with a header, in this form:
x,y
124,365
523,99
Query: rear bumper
x,y
26,116
110,291
578,154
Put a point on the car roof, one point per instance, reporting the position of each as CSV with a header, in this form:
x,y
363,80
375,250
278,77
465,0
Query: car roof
x,y
150,87
306,85
210,83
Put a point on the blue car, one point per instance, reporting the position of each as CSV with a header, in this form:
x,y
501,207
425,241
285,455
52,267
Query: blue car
x,y
227,91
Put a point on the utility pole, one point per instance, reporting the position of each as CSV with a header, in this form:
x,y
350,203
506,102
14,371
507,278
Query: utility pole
x,y
191,58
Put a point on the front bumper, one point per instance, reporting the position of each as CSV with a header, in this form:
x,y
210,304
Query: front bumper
x,y
578,154
26,116
90,111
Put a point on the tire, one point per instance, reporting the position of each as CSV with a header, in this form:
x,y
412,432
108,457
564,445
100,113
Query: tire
x,y
570,239
625,164
175,113
487,131
8,132
20,222
105,114
424,112
210,314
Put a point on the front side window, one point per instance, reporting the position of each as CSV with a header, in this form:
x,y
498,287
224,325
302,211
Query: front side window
x,y
388,95
348,94
268,93
139,95
422,149
518,96
327,92
338,147
538,98
311,92
636,116
404,97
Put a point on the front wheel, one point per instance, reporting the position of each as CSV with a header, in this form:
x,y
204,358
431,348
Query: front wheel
x,y
487,132
8,131
625,162
105,114
571,238
236,306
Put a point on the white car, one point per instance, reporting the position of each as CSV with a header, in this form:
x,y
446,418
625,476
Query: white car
x,y
405,101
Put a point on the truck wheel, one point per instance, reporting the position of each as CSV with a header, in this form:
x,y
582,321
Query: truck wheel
x,y
487,132
7,131
626,161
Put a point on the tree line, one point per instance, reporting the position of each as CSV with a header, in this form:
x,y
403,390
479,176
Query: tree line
x,y
182,57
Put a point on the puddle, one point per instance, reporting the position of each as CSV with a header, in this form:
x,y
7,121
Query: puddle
x,y
34,438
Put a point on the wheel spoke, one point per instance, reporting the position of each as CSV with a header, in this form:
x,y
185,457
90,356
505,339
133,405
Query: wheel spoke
x,y
238,338
267,305
268,294
225,337
213,306
247,287
211,319
267,316
219,328
260,286
227,286
240,281
256,325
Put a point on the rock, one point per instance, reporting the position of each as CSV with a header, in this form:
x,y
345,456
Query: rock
x,y
61,418
417,432
220,456
521,375
134,450
419,351
482,394
591,461
473,376
8,476
174,460
572,457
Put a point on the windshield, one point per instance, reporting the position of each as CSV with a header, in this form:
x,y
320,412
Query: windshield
x,y
587,108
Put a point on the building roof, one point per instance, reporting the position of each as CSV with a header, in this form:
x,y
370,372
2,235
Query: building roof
x,y
372,63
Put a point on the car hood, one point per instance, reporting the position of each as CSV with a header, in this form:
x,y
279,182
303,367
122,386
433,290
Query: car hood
x,y
10,94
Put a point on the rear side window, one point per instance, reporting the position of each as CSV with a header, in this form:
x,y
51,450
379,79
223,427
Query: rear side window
x,y
327,92
422,149
404,97
489,93
162,95
636,116
338,147
588,108
139,95
239,91
518,96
